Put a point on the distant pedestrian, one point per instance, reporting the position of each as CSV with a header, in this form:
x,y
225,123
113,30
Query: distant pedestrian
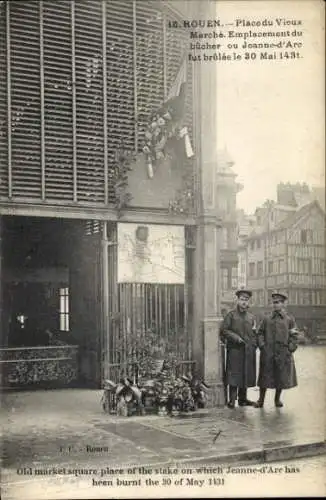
x,y
238,331
277,340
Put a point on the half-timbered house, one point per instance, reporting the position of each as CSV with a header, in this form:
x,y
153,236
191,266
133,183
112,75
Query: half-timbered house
x,y
289,256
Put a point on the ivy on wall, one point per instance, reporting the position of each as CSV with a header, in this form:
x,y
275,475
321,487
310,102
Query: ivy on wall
x,y
184,201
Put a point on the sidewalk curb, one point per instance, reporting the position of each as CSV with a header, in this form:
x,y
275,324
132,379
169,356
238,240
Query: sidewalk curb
x,y
295,451
275,454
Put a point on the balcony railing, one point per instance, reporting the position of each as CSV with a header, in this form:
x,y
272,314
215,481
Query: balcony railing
x,y
25,366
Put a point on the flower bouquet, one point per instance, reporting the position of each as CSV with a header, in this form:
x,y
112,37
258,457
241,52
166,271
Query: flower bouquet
x,y
164,126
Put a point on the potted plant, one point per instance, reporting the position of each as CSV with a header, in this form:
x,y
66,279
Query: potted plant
x,y
123,398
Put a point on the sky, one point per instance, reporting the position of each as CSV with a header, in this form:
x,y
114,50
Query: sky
x,y
270,114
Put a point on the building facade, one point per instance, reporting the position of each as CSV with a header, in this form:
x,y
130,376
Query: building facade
x,y
288,254
83,82
245,226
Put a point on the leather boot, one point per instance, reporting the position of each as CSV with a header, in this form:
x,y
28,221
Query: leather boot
x,y
277,400
261,400
242,398
232,396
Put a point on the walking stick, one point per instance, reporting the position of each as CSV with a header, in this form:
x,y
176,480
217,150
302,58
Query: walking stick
x,y
223,361
245,366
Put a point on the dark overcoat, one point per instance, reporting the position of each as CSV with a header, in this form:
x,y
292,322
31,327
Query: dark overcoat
x,y
277,342
241,357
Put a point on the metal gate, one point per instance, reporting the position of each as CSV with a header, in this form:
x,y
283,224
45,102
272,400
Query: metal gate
x,y
140,313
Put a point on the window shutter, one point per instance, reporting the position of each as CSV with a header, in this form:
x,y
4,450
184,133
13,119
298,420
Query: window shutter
x,y
137,69
89,104
3,104
120,82
25,98
57,100
150,75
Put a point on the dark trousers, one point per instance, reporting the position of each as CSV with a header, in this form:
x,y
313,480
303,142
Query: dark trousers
x,y
242,394
262,394
237,392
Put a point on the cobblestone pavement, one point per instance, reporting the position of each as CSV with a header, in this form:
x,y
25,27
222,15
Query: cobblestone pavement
x,y
65,428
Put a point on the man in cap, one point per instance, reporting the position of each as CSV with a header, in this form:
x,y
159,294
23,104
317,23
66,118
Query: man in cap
x,y
277,340
238,331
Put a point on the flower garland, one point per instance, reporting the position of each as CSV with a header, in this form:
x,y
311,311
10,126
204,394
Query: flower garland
x,y
163,126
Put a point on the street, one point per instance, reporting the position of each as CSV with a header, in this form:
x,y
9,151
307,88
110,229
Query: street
x,y
60,424
46,431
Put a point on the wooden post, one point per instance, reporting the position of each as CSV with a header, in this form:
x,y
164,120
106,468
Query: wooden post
x,y
9,100
74,104
3,330
105,107
105,301
42,102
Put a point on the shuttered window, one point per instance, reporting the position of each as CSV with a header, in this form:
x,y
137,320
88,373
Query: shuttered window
x,y
149,49
25,98
57,100
3,105
120,75
89,101
58,142
120,81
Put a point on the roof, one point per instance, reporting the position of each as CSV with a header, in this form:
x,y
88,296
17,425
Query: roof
x,y
289,221
319,194
286,208
298,214
303,198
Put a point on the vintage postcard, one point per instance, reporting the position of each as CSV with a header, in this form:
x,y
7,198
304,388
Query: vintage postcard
x,y
163,259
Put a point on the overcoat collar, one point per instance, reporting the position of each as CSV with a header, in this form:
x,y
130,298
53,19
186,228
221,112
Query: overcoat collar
x,y
241,312
279,313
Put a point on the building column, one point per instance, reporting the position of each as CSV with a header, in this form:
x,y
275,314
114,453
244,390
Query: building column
x,y
207,349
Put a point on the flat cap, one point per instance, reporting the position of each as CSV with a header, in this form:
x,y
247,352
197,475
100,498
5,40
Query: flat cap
x,y
279,295
243,291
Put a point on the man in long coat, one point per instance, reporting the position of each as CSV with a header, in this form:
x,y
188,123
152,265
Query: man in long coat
x,y
238,331
277,340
